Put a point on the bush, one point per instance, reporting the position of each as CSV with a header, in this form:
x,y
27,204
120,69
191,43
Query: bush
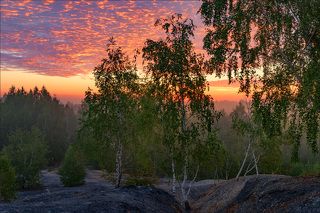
x,y
312,170
304,169
72,171
7,180
296,169
140,181
26,152
97,154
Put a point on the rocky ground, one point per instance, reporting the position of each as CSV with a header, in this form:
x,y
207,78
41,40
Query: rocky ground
x,y
265,193
96,195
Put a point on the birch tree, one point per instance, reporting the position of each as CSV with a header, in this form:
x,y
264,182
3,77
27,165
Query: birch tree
x,y
187,114
272,49
109,112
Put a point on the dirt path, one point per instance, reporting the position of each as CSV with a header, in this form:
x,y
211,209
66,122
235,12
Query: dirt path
x,y
51,179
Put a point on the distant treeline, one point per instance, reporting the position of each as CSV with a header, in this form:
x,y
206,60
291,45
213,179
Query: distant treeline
x,y
24,110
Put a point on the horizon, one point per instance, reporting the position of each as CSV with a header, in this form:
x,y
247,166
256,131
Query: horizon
x,y
222,105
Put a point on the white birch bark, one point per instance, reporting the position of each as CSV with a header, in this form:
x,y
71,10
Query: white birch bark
x,y
119,154
185,193
119,164
255,163
185,177
173,175
191,183
244,160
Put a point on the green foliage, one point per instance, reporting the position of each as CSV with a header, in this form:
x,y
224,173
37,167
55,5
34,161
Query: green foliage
x,y
232,143
37,108
110,108
145,158
7,180
26,152
178,84
147,153
109,113
312,170
280,39
72,171
97,154
303,169
271,157
217,164
140,181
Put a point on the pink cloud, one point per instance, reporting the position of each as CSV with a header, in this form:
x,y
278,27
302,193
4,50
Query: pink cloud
x,y
67,38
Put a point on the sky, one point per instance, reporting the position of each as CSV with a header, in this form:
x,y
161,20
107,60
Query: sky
x,y
57,43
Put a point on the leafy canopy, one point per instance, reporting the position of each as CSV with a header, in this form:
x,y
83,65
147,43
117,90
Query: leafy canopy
x,y
110,108
272,48
178,83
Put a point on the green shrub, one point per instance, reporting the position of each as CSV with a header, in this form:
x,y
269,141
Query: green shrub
x,y
72,171
26,152
296,169
7,180
140,181
96,153
312,170
303,169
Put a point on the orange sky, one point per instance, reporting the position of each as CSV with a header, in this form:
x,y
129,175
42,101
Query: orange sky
x,y
57,43
72,88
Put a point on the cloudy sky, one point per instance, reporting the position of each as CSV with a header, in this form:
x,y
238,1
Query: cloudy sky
x,y
57,43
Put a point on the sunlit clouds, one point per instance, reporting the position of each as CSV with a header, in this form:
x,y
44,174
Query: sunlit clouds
x,y
67,38
64,38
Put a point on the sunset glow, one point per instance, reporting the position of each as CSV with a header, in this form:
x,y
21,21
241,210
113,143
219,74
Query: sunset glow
x,y
57,43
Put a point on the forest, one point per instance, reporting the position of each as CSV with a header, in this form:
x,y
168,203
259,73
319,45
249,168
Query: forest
x,y
163,124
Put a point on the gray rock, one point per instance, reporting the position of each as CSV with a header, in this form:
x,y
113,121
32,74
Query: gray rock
x,y
265,193
96,195
95,198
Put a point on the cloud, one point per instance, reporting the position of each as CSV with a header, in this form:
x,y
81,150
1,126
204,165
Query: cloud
x,y
48,2
66,38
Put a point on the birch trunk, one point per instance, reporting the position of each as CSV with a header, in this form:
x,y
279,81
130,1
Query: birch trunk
x,y
119,164
119,153
185,175
244,160
191,183
255,163
173,175
183,190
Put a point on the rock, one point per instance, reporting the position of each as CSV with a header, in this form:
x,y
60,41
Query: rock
x,y
265,193
90,198
96,195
